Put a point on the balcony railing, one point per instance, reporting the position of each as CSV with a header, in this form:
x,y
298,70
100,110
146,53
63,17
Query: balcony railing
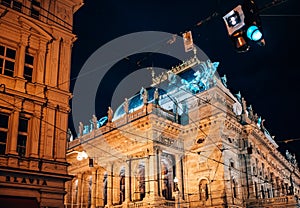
x,y
283,200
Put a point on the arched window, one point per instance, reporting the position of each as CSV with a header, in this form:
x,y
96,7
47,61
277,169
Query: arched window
x,y
256,190
105,189
234,188
262,192
90,191
140,182
122,185
203,190
75,201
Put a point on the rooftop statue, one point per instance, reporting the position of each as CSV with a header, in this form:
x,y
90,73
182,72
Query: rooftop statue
x,y
93,122
80,129
86,129
110,114
203,78
126,106
224,80
239,96
144,95
172,78
250,110
288,155
259,122
102,121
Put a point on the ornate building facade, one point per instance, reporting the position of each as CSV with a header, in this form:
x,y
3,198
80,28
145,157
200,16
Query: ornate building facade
x,y
186,141
35,52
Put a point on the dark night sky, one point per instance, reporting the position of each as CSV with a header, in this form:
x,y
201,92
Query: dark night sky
x,y
268,77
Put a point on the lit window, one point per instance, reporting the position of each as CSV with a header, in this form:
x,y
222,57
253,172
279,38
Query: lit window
x,y
203,189
22,136
7,61
35,9
3,132
28,67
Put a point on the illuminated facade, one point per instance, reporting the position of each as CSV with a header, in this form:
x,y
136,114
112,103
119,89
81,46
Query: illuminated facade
x,y
191,143
35,52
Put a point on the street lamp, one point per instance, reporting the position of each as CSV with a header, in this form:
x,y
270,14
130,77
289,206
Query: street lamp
x,y
80,155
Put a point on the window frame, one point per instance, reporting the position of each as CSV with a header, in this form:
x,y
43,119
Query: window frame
x,y
35,9
6,130
29,66
6,59
22,134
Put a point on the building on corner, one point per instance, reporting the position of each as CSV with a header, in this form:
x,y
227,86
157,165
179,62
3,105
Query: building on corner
x,y
35,52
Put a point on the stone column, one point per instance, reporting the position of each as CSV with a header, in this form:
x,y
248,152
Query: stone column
x,y
128,182
147,176
94,184
79,191
14,133
40,67
21,60
179,175
48,133
159,172
116,185
153,175
110,185
99,189
35,133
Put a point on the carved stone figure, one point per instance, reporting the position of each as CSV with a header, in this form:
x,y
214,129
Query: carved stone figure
x,y
250,110
288,155
126,106
239,96
259,122
244,106
144,95
109,114
224,80
93,122
80,129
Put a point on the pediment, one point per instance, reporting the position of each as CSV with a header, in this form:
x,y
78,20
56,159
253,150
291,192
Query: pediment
x,y
26,22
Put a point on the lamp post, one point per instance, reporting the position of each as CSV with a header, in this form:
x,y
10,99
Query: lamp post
x,y
176,189
80,155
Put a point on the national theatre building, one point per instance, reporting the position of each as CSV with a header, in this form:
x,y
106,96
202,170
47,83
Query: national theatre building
x,y
186,141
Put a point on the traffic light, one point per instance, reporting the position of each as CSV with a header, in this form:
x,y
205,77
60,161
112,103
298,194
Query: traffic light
x,y
235,23
253,23
243,25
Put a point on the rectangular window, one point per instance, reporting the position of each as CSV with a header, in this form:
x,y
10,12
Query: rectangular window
x,y
6,2
35,9
22,136
17,6
3,132
28,68
7,61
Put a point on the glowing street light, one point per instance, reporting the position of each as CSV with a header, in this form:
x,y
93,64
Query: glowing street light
x,y
82,155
